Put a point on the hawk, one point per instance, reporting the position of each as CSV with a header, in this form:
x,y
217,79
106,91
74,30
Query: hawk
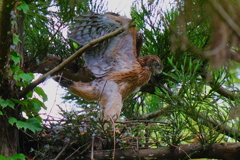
x,y
114,63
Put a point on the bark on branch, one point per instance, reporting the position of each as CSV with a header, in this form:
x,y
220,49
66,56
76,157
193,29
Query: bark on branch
x,y
219,127
224,151
225,92
235,56
72,71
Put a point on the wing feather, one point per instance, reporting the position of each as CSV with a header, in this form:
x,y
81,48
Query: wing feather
x,y
91,26
114,54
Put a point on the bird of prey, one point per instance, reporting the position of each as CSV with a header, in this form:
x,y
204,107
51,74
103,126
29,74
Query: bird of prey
x,y
114,63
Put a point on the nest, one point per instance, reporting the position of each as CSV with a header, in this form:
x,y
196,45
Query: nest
x,y
77,136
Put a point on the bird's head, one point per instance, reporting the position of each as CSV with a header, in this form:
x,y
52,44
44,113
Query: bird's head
x,y
152,62
155,64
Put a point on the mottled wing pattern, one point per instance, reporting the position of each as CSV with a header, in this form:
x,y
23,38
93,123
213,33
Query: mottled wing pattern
x,y
110,54
89,27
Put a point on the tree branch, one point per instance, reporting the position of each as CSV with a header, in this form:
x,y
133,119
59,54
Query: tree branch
x,y
222,151
235,56
225,92
221,90
228,19
72,71
219,127
154,114
71,58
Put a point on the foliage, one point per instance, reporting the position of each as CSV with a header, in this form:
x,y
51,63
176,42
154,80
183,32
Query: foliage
x,y
14,157
76,130
195,100
184,90
32,124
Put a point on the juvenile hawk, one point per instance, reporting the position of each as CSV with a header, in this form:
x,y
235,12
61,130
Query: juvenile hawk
x,y
114,63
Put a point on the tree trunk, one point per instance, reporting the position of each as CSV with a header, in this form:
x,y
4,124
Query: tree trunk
x,y
9,135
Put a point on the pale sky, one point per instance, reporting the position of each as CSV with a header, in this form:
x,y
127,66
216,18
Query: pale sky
x,y
120,6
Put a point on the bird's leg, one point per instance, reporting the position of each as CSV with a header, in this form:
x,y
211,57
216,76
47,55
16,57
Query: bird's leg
x,y
111,107
111,101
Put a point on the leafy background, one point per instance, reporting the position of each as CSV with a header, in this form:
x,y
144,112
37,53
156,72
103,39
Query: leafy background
x,y
195,100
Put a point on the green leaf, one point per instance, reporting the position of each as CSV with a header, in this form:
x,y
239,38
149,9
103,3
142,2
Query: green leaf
x,y
10,103
3,158
16,58
34,124
26,76
22,102
41,93
35,104
39,118
12,120
1,113
5,103
14,68
17,157
30,94
21,124
16,77
16,39
2,103
75,45
24,7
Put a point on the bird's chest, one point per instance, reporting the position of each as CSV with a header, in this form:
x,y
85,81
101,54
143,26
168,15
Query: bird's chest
x,y
127,88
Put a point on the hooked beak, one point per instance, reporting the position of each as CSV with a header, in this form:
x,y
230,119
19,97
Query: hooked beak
x,y
158,71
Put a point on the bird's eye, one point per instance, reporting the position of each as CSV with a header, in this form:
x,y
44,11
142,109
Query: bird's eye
x,y
155,63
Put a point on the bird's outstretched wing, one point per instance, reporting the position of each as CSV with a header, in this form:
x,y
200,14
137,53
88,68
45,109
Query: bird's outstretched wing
x,y
113,55
90,26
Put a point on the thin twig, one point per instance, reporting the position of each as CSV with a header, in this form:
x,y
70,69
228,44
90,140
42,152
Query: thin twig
x,y
64,148
154,114
114,141
55,98
142,121
76,151
92,149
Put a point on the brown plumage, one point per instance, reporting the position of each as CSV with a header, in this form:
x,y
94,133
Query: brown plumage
x,y
113,62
